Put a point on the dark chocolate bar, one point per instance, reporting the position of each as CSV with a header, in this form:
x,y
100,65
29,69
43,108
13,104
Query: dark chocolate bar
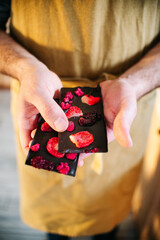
x,y
87,129
43,153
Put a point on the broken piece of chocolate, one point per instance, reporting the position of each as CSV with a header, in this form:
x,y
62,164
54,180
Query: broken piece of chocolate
x,y
44,154
86,114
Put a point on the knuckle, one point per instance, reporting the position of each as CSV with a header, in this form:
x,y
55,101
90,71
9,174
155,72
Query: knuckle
x,y
50,113
47,110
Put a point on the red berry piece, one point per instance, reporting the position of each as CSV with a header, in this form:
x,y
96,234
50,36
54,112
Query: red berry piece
x,y
71,156
70,126
37,162
90,100
94,150
52,148
65,105
69,95
35,147
88,119
63,168
86,151
74,112
82,139
48,165
45,127
66,99
79,92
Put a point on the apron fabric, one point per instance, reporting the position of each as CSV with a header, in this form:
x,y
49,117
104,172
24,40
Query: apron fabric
x,y
85,42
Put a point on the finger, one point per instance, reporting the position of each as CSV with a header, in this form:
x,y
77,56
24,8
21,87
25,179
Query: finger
x,y
51,112
25,129
110,135
122,124
80,163
82,156
33,133
25,139
30,143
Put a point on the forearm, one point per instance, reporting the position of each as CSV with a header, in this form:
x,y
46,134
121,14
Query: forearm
x,y
145,75
14,59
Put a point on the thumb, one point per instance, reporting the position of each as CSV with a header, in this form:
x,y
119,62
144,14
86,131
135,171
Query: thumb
x,y
122,123
51,112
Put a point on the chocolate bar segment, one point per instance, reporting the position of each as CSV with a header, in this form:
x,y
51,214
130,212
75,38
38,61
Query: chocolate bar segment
x,y
44,154
86,114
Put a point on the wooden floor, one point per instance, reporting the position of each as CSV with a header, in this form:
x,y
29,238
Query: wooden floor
x,y
11,226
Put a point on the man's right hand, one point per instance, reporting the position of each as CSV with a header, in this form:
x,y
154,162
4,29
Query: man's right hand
x,y
38,87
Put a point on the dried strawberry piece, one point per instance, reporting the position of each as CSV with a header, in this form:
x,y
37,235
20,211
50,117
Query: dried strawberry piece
x,y
45,127
74,111
82,139
37,162
52,147
35,147
88,119
69,95
90,100
63,168
71,156
70,126
94,150
79,92
65,105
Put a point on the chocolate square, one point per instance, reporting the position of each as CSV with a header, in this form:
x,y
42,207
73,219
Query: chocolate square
x,y
94,112
42,159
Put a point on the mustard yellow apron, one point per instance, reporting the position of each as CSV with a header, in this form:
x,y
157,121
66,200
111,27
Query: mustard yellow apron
x,y
84,42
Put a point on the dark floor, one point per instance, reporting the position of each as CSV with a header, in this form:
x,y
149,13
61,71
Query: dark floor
x,y
11,226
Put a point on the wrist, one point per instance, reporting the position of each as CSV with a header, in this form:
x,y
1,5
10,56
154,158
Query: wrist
x,y
144,76
135,84
27,66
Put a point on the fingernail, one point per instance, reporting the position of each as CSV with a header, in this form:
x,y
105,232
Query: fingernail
x,y
60,124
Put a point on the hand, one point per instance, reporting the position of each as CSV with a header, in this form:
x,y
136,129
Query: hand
x,y
120,108
38,87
